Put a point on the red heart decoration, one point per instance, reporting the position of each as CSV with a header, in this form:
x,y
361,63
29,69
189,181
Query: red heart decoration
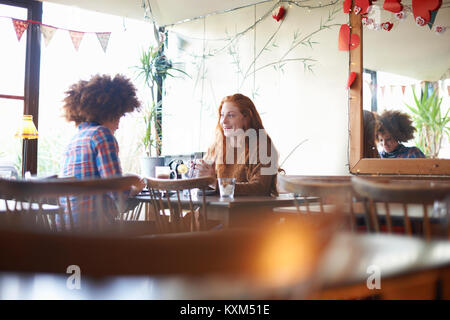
x,y
345,41
422,9
347,4
280,15
387,26
361,6
393,5
351,79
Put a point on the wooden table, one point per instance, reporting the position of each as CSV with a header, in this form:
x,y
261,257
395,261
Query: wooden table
x,y
409,268
240,211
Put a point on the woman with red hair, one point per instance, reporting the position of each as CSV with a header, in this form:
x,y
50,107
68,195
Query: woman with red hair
x,y
242,149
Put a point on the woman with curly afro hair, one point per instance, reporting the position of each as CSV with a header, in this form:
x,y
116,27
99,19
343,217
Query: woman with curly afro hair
x,y
96,107
396,127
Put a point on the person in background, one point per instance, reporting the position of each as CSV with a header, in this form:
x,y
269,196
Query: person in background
x,y
96,107
234,153
370,121
394,128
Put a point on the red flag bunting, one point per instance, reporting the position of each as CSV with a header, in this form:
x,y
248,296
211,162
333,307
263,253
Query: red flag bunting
x,y
76,37
403,90
19,26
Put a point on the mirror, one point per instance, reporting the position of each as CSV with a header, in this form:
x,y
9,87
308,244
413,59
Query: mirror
x,y
406,58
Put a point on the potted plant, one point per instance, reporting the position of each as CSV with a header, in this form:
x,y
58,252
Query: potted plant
x,y
154,67
430,123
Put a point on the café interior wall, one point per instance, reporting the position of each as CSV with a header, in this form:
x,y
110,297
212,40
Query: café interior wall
x,y
295,105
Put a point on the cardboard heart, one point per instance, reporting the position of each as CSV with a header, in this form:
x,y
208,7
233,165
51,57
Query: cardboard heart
x,y
361,6
422,9
346,5
351,79
393,5
346,42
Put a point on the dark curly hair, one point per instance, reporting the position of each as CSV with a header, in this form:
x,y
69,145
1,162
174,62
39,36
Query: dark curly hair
x,y
100,99
398,124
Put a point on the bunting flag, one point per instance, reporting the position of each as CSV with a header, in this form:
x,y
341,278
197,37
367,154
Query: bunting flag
x,y
19,26
103,38
448,89
47,32
382,91
403,90
391,89
76,37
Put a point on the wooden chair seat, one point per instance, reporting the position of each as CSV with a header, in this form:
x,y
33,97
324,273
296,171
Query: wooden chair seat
x,y
412,202
63,204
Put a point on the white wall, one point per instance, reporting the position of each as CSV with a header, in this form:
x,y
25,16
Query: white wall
x,y
294,104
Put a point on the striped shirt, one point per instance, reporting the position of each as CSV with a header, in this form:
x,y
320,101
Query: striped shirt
x,y
92,153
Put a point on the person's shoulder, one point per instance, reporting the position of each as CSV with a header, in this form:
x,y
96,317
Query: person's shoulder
x,y
416,152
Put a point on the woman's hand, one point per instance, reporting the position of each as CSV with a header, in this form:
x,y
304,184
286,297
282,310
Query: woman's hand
x,y
205,169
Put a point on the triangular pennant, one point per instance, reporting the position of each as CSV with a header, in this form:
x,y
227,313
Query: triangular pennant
x,y
76,38
48,33
448,89
403,90
103,38
391,89
19,26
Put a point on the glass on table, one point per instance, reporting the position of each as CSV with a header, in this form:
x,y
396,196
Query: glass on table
x,y
163,172
226,187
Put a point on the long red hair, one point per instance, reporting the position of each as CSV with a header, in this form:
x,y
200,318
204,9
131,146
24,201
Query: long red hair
x,y
252,121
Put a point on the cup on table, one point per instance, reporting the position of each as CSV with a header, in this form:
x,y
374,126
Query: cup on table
x,y
226,187
164,173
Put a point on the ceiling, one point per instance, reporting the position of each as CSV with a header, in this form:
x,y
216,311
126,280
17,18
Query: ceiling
x,y
413,51
163,11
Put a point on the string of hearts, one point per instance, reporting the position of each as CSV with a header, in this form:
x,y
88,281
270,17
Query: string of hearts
x,y
424,13
48,31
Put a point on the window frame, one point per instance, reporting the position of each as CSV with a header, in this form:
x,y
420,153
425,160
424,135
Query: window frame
x,y
32,74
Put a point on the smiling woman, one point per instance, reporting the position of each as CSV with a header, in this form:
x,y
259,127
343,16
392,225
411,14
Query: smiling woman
x,y
242,149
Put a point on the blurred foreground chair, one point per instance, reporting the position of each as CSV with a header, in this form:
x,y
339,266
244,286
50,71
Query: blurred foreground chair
x,y
176,205
413,207
249,261
319,197
64,204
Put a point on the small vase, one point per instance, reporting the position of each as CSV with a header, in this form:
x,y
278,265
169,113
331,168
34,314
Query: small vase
x,y
148,165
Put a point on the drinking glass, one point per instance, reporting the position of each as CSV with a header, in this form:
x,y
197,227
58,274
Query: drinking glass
x,y
226,187
164,172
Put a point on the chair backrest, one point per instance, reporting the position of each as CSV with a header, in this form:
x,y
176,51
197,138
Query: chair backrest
x,y
64,204
329,195
410,201
176,206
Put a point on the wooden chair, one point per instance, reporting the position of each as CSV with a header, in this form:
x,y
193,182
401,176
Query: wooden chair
x,y
64,204
398,199
321,196
175,207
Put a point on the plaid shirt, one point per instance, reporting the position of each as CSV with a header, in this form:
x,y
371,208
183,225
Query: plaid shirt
x,y
92,153
403,152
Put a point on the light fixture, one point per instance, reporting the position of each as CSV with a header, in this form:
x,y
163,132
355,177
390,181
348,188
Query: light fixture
x,y
26,131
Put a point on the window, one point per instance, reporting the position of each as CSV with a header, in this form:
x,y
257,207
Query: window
x,y
19,65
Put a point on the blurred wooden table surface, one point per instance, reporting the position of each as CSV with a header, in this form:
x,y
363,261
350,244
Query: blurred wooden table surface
x,y
407,268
